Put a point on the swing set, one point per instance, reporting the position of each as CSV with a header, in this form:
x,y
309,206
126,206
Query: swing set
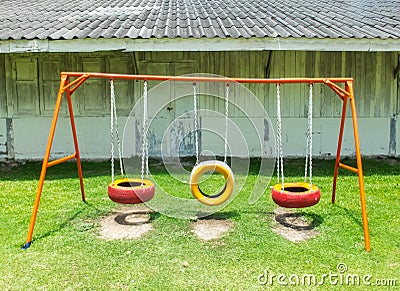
x,y
138,190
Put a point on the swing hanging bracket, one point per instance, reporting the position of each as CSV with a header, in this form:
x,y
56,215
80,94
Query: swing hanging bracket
x,y
342,93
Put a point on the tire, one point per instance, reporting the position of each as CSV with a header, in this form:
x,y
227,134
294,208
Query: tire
x,y
216,166
296,195
131,191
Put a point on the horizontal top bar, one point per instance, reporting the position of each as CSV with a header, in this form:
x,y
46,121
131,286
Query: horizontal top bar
x,y
206,79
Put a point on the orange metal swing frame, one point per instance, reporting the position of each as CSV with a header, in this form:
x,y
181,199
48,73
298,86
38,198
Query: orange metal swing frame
x,y
68,87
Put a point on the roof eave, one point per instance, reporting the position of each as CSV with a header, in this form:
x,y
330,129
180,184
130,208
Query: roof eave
x,y
199,44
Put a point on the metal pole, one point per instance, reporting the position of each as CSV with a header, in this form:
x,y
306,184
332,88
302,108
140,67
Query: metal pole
x,y
349,88
45,163
339,148
77,155
205,79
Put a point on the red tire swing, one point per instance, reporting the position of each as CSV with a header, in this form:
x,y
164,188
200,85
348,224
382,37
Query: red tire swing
x,y
297,194
129,190
211,165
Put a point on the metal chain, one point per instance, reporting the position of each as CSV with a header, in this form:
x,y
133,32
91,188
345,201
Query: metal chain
x,y
112,129
278,126
307,149
279,135
226,121
144,135
196,126
309,139
147,149
117,134
309,133
114,122
147,130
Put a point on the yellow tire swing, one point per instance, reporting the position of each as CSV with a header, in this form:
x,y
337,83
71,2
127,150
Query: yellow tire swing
x,y
212,165
129,190
295,194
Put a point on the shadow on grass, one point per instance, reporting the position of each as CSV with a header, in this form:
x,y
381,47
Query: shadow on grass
x,y
61,226
27,171
218,215
285,220
355,217
122,218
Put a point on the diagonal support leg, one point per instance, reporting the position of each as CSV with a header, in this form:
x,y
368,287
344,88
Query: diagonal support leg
x,y
349,94
349,87
74,135
339,148
45,163
64,87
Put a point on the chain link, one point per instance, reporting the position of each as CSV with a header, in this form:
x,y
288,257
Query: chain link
x,y
309,137
226,121
112,129
117,136
147,131
279,136
307,149
114,123
196,126
144,136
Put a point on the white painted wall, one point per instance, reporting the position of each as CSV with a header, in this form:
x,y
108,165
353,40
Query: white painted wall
x,y
31,133
373,133
3,138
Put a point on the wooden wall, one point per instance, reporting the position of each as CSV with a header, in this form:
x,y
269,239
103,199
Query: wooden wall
x,y
30,82
3,99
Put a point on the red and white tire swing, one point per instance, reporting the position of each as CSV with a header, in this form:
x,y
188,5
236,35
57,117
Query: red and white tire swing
x,y
295,194
130,190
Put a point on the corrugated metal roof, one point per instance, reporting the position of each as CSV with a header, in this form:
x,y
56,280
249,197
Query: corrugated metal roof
x,y
54,19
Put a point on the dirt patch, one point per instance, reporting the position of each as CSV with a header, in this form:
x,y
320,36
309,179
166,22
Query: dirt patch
x,y
293,226
126,223
211,229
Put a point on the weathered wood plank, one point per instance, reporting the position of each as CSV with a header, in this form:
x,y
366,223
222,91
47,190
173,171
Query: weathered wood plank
x,y
26,93
301,90
124,90
49,82
375,87
396,89
325,70
92,94
390,89
3,96
317,88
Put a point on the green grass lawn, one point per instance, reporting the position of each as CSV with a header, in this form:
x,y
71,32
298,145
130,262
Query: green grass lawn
x,y
67,253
